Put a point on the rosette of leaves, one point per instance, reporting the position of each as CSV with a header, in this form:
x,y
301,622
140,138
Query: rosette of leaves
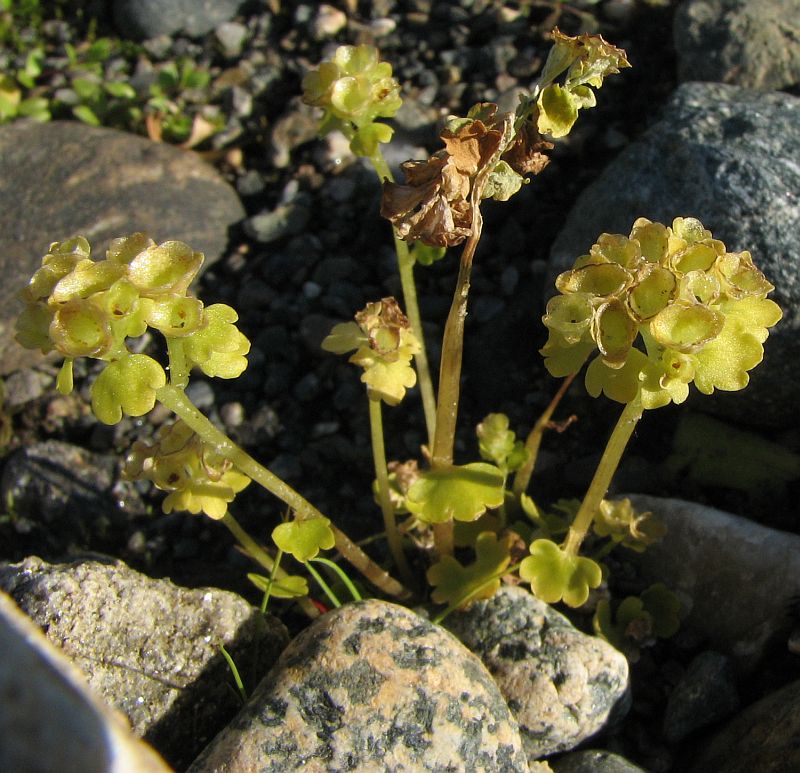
x,y
197,478
663,308
80,307
384,345
618,520
355,88
638,621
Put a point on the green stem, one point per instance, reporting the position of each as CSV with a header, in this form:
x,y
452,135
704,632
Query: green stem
x,y
272,576
463,599
523,475
334,567
603,474
178,367
405,263
177,401
382,475
450,380
257,553
322,584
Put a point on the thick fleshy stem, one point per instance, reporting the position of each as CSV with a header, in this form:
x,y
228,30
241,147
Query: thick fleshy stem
x,y
523,475
405,264
450,377
609,462
258,554
382,476
177,401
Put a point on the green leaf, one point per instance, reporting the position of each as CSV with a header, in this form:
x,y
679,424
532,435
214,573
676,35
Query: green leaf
x,y
456,584
304,538
665,608
86,115
127,386
556,575
460,493
366,140
498,444
291,587
558,111
425,254
345,337
120,90
503,182
35,108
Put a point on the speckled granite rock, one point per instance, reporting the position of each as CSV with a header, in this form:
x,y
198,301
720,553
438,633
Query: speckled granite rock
x,y
560,684
756,45
371,687
49,719
148,647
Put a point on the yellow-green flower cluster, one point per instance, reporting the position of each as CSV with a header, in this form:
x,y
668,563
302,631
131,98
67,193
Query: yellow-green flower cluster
x,y
700,312
80,307
197,478
354,88
384,345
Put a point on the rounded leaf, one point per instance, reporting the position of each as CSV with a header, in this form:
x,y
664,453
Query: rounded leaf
x,y
79,329
127,386
555,575
304,538
460,493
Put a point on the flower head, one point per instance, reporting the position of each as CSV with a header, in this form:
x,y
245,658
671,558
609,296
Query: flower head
x,y
699,314
197,478
384,345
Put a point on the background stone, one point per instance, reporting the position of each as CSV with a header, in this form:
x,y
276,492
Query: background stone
x,y
756,45
102,184
727,156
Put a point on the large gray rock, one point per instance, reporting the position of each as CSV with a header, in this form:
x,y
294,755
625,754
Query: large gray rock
x,y
729,157
745,43
734,577
762,738
371,686
149,18
71,179
49,718
148,647
560,684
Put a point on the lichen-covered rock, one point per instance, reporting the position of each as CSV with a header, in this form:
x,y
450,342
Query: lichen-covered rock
x,y
560,684
148,647
49,719
371,687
